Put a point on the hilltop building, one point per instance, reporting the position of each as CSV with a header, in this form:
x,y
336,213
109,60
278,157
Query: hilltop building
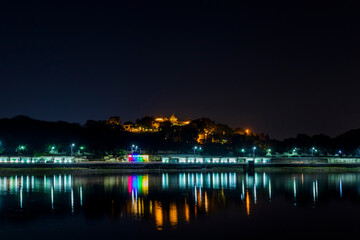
x,y
155,124
115,120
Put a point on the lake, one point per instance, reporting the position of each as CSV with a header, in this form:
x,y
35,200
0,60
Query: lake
x,y
186,205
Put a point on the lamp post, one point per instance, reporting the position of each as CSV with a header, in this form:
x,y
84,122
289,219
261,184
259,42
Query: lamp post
x,y
195,149
294,150
312,152
135,149
72,146
254,148
52,149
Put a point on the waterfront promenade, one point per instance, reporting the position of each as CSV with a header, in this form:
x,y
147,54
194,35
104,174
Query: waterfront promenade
x,y
173,166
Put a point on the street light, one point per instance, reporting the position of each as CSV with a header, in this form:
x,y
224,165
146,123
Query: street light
x,y
21,148
254,148
72,145
312,151
268,152
195,149
134,149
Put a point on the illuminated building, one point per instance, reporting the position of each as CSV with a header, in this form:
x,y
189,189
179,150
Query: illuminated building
x,y
114,121
130,127
138,158
173,120
42,159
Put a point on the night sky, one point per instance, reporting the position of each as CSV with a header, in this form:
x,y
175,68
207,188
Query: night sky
x,y
276,67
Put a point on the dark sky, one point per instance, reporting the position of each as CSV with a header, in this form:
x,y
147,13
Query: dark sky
x,y
276,67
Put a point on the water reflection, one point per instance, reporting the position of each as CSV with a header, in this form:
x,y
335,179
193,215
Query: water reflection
x,y
167,199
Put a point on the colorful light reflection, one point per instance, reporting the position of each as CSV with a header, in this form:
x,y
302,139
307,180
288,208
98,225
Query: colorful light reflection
x,y
138,184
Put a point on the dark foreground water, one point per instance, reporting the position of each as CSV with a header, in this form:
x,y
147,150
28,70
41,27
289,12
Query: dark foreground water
x,y
180,206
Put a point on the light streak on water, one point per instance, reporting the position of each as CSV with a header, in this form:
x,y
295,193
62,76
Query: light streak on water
x,y
16,183
70,180
32,183
81,196
314,191
21,197
165,180
215,180
208,180
27,183
255,193
59,182
65,185
264,180
52,198
269,190
294,183
72,200
232,180
340,183
195,196
242,189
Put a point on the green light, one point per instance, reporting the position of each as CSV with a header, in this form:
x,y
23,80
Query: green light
x,y
242,150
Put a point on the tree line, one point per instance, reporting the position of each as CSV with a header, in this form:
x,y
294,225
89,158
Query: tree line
x,y
24,135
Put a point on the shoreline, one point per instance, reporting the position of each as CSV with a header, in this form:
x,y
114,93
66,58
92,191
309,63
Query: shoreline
x,y
173,168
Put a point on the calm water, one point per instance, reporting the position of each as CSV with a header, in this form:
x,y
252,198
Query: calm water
x,y
180,205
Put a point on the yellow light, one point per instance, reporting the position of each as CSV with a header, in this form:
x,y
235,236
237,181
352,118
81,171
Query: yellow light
x,y
247,131
187,211
145,184
173,215
158,216
247,202
150,207
159,119
206,203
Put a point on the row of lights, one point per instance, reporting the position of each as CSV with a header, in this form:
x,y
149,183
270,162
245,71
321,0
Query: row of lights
x,y
22,148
